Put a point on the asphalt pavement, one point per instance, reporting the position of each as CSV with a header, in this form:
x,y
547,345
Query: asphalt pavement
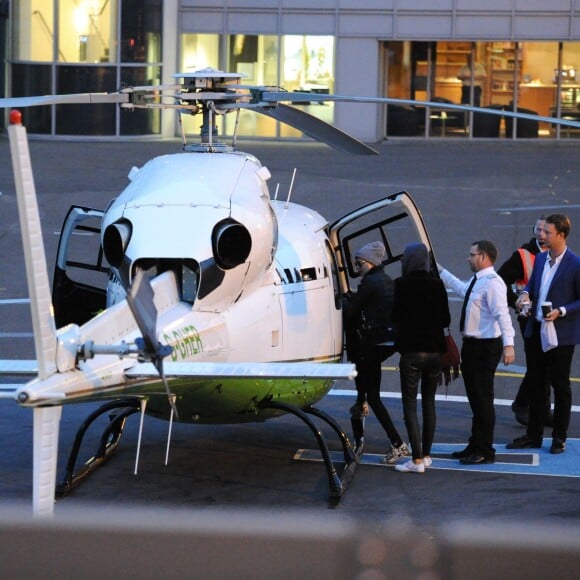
x,y
466,191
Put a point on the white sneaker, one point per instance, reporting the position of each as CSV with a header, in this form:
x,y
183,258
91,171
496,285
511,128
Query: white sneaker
x,y
396,453
427,461
411,467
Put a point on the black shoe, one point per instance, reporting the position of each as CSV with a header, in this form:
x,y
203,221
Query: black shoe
x,y
476,459
558,446
461,454
525,442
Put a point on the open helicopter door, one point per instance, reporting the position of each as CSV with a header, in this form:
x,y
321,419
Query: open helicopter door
x,y
394,220
80,272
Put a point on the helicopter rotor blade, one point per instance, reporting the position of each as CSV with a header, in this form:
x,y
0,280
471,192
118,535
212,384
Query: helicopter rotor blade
x,y
75,99
140,299
278,96
317,129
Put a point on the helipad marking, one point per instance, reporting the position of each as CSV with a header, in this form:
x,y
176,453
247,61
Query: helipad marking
x,y
508,461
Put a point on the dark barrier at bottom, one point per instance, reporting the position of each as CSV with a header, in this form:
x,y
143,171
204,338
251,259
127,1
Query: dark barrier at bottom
x,y
102,542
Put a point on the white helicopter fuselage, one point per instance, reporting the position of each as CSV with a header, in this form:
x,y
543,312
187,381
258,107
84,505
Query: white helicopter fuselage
x,y
280,304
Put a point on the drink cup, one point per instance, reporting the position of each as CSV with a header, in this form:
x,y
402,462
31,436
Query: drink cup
x,y
546,308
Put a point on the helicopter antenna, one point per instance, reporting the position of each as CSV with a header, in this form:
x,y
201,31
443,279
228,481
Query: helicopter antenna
x,y
143,406
169,431
236,123
290,189
182,129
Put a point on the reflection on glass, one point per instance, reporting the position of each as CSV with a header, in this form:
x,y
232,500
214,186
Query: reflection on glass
x,y
85,119
141,24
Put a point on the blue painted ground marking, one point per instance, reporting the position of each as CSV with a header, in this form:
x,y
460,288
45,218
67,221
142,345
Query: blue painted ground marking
x,y
508,461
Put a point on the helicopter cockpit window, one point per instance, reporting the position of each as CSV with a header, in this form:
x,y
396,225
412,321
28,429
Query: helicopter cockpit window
x,y
308,274
186,274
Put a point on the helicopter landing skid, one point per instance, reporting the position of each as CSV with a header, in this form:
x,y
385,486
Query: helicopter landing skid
x,y
108,444
338,484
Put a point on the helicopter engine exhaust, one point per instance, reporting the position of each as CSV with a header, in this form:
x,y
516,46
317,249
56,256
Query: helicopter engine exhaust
x,y
116,240
231,244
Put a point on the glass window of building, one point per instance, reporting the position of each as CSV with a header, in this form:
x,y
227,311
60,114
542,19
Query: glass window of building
x,y
256,57
536,78
33,34
294,63
87,30
198,51
308,66
73,46
141,25
140,121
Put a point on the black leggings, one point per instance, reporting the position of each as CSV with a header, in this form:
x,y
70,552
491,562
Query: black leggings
x,y
423,368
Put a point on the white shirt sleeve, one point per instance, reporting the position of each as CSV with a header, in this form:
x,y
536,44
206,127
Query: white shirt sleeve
x,y
453,283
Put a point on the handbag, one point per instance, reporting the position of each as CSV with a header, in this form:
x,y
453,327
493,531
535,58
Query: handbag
x,y
450,360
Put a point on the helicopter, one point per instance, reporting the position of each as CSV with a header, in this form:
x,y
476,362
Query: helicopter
x,y
230,312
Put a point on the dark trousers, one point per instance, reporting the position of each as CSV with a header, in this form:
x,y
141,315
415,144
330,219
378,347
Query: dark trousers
x,y
523,396
423,367
554,366
479,359
368,385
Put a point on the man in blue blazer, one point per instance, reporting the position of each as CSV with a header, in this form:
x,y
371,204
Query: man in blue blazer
x,y
555,279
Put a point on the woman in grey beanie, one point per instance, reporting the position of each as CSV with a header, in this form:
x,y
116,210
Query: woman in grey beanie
x,y
367,321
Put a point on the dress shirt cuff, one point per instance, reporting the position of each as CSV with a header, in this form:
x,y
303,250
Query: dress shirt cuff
x,y
562,310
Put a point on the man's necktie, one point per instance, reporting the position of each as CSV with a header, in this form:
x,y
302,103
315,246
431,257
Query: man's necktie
x,y
464,307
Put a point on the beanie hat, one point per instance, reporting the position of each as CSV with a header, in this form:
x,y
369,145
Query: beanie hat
x,y
374,253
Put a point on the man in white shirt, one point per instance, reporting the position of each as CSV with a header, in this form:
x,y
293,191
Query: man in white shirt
x,y
488,337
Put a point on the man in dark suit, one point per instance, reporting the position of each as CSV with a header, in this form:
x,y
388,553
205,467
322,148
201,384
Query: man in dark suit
x,y
516,272
554,334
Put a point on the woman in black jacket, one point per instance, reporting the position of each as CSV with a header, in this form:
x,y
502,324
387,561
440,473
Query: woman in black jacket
x,y
420,315
367,321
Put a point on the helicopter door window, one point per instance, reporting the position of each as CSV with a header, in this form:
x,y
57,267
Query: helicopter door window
x,y
186,274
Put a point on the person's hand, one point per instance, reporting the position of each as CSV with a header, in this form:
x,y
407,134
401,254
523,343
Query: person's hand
x,y
509,355
523,303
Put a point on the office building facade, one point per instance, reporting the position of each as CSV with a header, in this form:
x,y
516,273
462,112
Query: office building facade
x,y
524,55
